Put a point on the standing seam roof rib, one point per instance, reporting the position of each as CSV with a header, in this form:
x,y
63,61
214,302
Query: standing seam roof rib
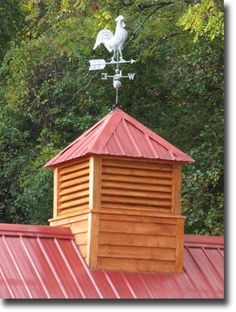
x,y
118,134
44,262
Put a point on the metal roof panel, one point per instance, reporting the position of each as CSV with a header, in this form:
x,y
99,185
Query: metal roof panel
x,y
44,262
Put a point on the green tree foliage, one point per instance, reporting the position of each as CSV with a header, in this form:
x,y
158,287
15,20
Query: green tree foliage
x,y
12,19
204,18
48,97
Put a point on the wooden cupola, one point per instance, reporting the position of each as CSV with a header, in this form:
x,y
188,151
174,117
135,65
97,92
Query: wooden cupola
x,y
118,187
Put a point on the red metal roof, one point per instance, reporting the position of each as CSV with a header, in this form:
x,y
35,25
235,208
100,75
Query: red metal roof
x,y
44,262
118,134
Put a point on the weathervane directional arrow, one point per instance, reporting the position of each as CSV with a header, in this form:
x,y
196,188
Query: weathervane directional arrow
x,y
113,43
97,64
101,63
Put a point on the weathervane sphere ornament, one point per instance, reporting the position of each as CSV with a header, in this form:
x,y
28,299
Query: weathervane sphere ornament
x,y
113,43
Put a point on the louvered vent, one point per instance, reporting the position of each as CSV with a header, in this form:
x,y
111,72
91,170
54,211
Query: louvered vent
x,y
130,185
73,187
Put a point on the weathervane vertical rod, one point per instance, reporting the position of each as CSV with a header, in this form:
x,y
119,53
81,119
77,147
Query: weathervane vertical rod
x,y
117,90
117,96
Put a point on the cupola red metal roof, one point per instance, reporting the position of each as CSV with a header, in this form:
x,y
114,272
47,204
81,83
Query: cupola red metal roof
x,y
118,134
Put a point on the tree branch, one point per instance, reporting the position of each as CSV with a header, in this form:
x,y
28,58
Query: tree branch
x,y
149,15
82,88
160,41
126,3
151,5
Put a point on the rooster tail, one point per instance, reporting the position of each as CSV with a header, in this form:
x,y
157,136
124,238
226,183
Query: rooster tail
x,y
104,36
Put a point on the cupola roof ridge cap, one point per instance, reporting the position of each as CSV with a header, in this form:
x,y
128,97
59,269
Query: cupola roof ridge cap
x,y
106,131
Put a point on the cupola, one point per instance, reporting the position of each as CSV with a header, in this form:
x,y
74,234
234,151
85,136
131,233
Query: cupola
x,y
118,187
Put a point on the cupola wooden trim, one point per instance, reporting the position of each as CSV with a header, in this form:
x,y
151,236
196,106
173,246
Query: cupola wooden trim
x,y
94,208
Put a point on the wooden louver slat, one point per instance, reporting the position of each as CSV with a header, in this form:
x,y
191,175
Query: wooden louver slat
x,y
138,186
133,193
135,165
131,179
130,200
136,172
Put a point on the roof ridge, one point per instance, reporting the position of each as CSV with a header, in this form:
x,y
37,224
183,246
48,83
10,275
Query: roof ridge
x,y
107,131
203,239
9,229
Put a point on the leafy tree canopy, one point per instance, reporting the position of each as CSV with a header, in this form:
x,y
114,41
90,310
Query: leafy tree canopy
x,y
48,97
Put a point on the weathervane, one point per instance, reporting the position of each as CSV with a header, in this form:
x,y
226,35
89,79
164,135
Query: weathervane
x,y
113,43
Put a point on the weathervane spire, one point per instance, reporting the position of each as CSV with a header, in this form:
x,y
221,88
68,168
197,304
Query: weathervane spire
x,y
113,43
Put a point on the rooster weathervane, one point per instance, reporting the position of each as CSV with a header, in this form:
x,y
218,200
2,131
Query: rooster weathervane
x,y
113,43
